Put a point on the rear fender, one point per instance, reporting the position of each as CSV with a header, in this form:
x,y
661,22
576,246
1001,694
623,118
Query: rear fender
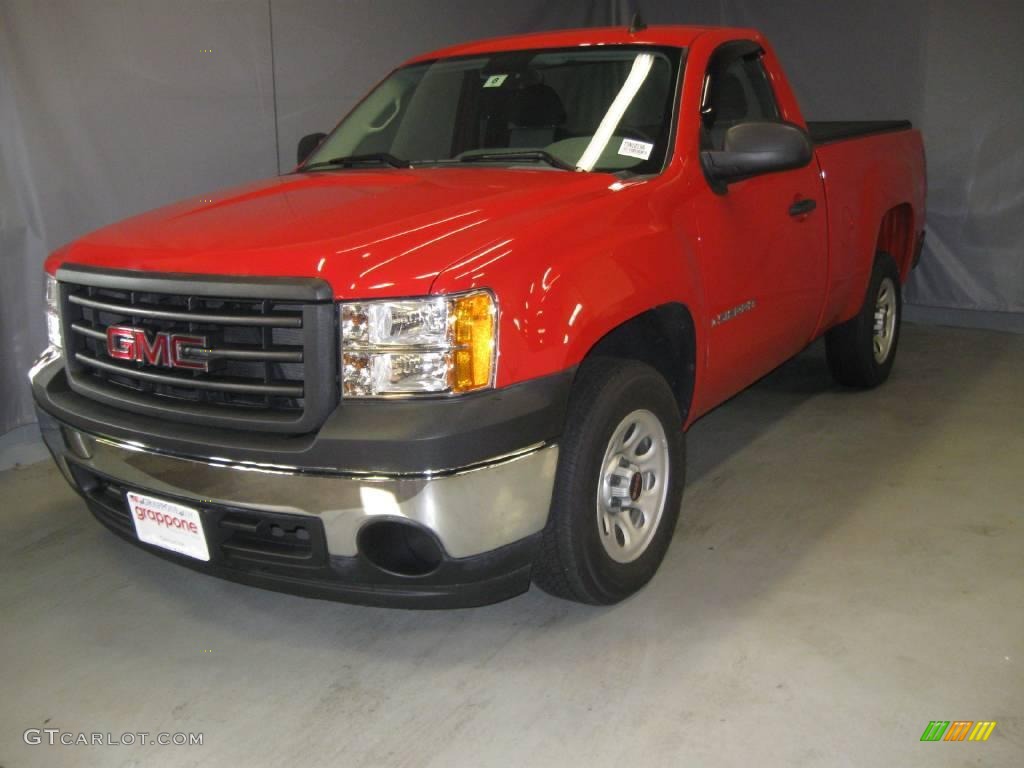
x,y
865,180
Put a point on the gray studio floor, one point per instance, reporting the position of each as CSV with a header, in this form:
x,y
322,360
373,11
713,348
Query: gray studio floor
x,y
848,567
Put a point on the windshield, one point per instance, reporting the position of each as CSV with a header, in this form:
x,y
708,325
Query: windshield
x,y
607,108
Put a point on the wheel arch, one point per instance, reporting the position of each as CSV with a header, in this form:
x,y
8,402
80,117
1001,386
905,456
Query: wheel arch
x,y
896,236
663,337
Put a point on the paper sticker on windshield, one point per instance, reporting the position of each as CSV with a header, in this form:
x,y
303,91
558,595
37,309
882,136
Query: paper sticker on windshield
x,y
634,148
495,81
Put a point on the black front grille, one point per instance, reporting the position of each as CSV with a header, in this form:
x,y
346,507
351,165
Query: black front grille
x,y
242,361
253,348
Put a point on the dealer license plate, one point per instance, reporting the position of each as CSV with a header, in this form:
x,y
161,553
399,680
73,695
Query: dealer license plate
x,y
169,525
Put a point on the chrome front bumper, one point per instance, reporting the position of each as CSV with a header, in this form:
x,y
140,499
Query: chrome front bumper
x,y
471,511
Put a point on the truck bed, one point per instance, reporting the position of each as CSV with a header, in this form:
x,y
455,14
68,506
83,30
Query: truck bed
x,y
827,131
867,168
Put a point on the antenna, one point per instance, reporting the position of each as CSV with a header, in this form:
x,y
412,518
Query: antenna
x,y
637,24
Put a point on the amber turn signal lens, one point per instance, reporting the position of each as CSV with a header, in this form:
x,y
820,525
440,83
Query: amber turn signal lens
x,y
472,332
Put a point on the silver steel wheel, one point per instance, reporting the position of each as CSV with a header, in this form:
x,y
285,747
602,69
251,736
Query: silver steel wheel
x,y
885,320
633,486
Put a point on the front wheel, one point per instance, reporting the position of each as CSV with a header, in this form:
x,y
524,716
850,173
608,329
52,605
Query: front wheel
x,y
861,351
619,485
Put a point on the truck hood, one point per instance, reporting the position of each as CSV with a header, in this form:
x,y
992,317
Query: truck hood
x,y
386,232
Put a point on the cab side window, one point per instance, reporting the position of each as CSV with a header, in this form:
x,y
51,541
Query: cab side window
x,y
736,90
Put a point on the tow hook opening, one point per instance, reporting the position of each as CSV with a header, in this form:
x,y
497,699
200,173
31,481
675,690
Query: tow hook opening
x,y
400,548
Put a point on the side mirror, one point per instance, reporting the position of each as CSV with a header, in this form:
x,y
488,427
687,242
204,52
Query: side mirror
x,y
307,144
751,149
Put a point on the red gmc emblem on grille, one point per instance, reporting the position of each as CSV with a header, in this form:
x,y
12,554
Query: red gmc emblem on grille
x,y
167,349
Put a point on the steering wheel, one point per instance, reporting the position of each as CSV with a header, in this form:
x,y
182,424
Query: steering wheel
x,y
634,133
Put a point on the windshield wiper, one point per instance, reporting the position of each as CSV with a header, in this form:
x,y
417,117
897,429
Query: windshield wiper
x,y
518,154
350,160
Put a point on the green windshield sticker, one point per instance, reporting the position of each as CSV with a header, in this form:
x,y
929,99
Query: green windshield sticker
x,y
495,81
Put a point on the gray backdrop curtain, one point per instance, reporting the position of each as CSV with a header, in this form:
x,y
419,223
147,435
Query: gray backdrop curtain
x,y
108,108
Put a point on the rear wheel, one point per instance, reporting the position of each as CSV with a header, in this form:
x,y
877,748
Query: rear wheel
x,y
861,351
619,486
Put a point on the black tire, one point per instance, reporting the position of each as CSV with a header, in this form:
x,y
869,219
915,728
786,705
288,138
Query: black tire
x,y
573,562
850,347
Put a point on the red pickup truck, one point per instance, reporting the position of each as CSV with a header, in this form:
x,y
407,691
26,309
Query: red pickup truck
x,y
456,350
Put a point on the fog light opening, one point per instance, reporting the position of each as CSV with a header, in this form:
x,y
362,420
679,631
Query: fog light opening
x,y
400,548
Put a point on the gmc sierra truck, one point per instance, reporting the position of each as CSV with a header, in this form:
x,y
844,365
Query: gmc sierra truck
x,y
456,350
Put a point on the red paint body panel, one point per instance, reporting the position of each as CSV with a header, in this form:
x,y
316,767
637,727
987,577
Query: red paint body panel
x,y
863,180
672,36
569,256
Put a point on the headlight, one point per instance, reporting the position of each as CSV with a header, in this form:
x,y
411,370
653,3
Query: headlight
x,y
53,331
433,345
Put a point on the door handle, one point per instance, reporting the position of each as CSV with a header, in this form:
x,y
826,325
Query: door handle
x,y
802,207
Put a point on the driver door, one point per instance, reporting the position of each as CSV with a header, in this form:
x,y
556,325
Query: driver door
x,y
764,265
